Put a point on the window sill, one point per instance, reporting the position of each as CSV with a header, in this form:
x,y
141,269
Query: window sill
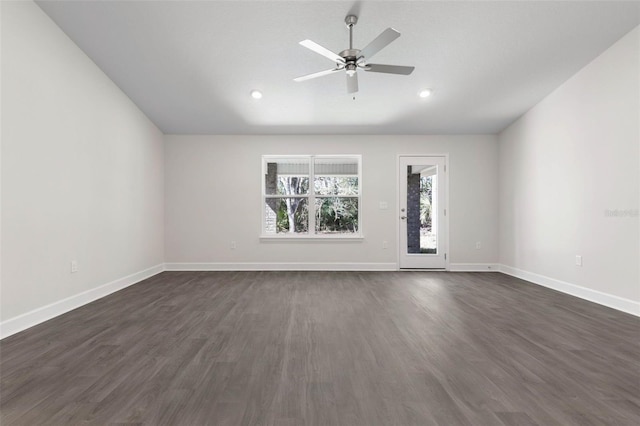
x,y
307,238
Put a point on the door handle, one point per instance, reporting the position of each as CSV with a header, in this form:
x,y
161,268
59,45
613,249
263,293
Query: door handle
x,y
403,217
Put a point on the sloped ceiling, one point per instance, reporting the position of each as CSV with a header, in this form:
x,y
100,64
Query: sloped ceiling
x,y
190,65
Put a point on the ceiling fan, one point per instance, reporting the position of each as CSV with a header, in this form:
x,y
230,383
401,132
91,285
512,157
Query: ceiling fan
x,y
351,59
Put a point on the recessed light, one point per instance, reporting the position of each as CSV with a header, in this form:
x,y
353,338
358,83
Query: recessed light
x,y
256,94
425,93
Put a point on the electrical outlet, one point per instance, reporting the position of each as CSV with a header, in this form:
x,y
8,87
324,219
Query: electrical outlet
x,y
478,245
385,245
74,266
578,260
234,245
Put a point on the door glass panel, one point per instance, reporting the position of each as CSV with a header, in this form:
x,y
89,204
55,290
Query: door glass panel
x,y
421,217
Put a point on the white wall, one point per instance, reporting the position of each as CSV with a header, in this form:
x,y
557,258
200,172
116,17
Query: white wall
x,y
566,161
82,172
213,187
85,177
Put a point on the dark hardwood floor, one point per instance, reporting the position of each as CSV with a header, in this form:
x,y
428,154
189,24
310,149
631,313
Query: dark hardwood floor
x,y
325,348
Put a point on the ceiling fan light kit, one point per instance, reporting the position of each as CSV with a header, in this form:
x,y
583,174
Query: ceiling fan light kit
x,y
350,60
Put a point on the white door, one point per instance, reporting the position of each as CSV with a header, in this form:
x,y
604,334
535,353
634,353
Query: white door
x,y
422,211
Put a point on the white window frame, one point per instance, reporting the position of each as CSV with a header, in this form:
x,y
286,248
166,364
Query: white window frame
x,y
311,197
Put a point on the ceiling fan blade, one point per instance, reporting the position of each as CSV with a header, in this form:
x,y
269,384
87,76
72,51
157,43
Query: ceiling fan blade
x,y
389,69
317,74
379,43
352,83
312,45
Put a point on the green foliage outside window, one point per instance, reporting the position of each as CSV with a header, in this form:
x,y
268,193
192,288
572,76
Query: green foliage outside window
x,y
426,197
333,214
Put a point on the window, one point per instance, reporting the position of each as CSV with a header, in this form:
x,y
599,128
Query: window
x,y
311,196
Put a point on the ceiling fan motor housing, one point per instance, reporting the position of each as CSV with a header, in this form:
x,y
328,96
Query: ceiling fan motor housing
x,y
350,55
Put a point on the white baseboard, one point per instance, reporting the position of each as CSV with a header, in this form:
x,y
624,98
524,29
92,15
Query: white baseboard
x,y
281,267
39,315
621,304
473,267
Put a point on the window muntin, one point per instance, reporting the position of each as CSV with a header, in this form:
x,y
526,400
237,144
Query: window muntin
x,y
334,196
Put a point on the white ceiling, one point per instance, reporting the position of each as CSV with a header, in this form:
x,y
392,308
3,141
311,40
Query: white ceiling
x,y
190,65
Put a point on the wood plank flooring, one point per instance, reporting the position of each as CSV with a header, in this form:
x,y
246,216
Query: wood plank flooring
x,y
327,348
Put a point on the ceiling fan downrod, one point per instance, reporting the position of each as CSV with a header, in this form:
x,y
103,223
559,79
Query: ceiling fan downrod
x,y
350,55
351,21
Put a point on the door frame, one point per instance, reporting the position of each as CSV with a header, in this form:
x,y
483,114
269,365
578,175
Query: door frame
x,y
447,260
